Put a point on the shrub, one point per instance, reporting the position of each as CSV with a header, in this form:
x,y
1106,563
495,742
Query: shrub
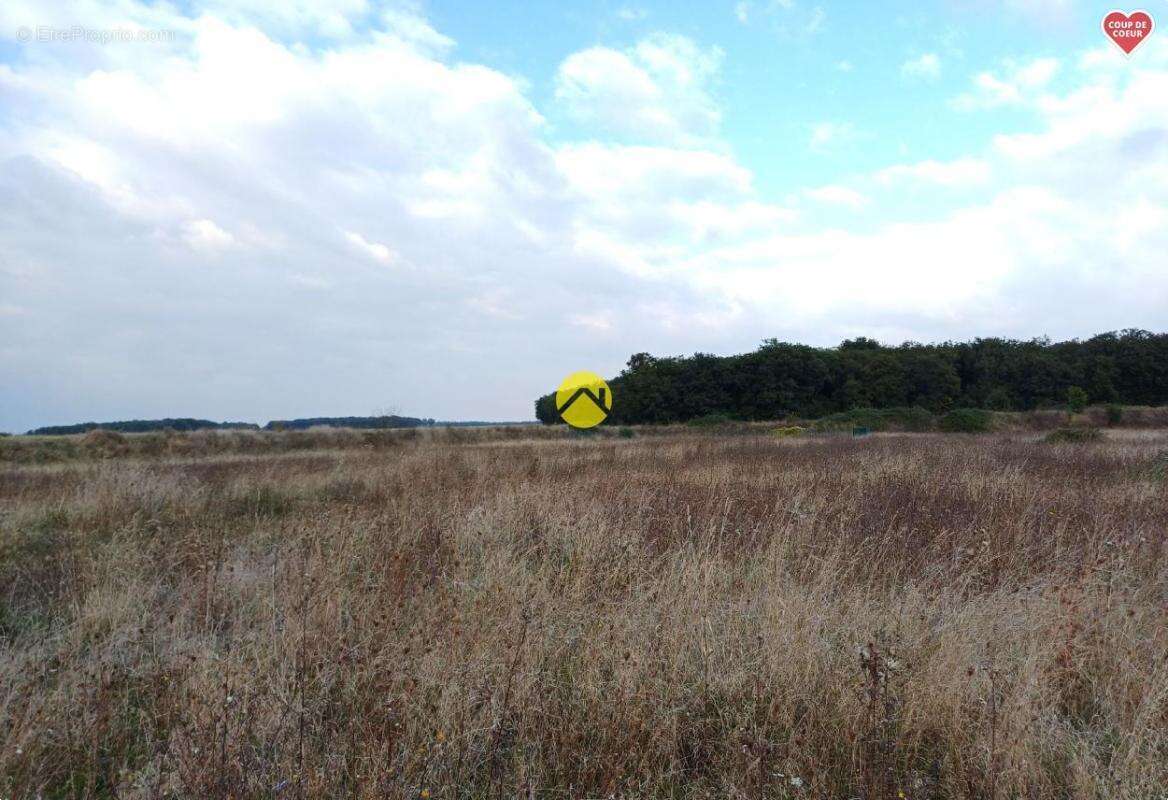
x,y
625,433
103,444
1073,435
788,431
967,420
900,418
711,420
1114,414
1076,399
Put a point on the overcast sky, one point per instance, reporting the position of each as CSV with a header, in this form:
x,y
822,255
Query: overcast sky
x,y
261,211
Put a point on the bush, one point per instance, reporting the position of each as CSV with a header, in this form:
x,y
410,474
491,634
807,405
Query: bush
x,y
901,418
1076,399
625,433
1073,435
711,420
788,431
103,444
1114,414
967,420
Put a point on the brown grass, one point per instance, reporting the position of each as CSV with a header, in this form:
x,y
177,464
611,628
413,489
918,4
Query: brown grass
x,y
675,616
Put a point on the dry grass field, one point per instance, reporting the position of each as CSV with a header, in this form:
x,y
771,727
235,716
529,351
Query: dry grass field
x,y
522,614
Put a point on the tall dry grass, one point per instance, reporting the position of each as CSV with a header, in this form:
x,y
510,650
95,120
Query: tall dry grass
x,y
681,616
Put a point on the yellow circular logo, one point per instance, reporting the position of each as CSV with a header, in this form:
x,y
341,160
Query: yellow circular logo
x,y
583,399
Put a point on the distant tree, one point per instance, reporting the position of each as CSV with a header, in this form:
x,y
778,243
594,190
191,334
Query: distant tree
x,y
143,426
860,343
640,361
545,409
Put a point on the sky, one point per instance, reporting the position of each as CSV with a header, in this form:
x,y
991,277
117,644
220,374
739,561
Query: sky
x,y
265,210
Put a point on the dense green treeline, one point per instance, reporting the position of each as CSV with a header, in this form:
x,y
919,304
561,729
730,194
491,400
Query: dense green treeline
x,y
143,426
782,379
187,425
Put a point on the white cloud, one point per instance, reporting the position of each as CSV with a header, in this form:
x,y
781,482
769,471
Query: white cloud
x,y
1128,119
205,236
926,66
412,28
1037,73
374,250
655,173
1018,83
644,193
959,172
332,18
657,91
837,196
708,221
844,65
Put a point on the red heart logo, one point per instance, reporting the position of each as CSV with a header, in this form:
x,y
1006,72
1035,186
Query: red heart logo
x,y
1128,31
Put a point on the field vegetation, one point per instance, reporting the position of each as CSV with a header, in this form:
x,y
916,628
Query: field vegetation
x,y
670,612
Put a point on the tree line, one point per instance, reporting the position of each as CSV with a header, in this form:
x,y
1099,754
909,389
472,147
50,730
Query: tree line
x,y
143,426
363,423
782,379
187,424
